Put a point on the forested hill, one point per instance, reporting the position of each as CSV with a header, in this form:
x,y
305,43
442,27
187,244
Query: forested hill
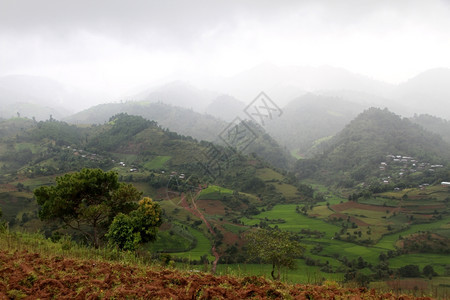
x,y
253,139
128,143
181,120
355,154
434,124
188,123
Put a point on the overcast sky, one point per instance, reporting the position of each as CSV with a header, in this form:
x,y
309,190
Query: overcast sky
x,y
117,45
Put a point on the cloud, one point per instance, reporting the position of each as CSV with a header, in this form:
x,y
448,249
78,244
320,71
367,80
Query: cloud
x,y
114,43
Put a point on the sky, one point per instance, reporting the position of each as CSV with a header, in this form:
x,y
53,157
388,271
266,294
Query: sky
x,y
116,46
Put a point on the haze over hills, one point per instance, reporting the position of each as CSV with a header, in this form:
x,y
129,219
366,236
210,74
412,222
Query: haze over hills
x,y
311,118
178,93
428,92
285,83
338,96
40,97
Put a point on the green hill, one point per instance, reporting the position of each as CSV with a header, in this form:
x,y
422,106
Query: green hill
x,y
181,120
356,153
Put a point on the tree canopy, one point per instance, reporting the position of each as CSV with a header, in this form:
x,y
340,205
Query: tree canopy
x,y
87,201
277,247
140,226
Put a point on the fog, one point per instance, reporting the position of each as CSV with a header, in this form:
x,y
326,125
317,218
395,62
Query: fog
x,y
112,50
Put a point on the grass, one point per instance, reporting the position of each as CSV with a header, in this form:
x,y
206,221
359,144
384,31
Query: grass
x,y
388,241
157,162
289,191
214,192
294,221
177,239
302,273
234,228
203,247
351,251
438,261
37,243
296,155
267,174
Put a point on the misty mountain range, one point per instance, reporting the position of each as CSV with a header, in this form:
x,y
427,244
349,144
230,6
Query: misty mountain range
x,y
316,102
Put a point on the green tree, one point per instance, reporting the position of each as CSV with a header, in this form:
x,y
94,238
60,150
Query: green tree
x,y
277,247
409,271
86,201
428,271
140,226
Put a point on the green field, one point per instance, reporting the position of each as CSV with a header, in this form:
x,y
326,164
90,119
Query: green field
x,y
302,273
267,174
157,162
388,241
214,192
203,247
294,221
438,261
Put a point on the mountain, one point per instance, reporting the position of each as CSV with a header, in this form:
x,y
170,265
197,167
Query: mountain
x,y
354,154
178,93
182,120
285,83
251,138
309,118
433,124
226,108
39,97
428,92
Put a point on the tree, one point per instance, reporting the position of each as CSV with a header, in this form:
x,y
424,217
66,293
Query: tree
x,y
428,271
140,226
277,247
86,201
409,271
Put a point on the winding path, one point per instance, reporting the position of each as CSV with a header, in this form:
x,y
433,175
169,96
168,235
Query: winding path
x,y
195,211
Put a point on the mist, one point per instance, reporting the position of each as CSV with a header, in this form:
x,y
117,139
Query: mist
x,y
110,51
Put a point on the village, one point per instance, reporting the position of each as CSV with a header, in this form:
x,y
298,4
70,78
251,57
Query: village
x,y
398,166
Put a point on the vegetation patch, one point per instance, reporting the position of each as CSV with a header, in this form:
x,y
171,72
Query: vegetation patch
x,y
157,163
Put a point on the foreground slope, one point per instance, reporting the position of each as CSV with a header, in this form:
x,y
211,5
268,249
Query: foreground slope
x,y
32,275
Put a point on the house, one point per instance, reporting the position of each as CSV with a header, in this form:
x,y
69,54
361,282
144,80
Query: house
x,y
445,183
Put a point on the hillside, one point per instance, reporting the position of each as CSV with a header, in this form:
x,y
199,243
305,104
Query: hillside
x,y
226,108
311,118
186,122
358,150
63,271
181,120
434,124
251,138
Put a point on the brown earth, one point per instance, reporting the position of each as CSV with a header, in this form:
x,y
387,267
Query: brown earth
x,y
211,207
25,275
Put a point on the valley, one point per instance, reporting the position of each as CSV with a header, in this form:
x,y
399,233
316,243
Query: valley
x,y
364,231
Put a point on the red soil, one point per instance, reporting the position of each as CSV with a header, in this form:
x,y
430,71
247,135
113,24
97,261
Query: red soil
x,y
32,276
211,207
